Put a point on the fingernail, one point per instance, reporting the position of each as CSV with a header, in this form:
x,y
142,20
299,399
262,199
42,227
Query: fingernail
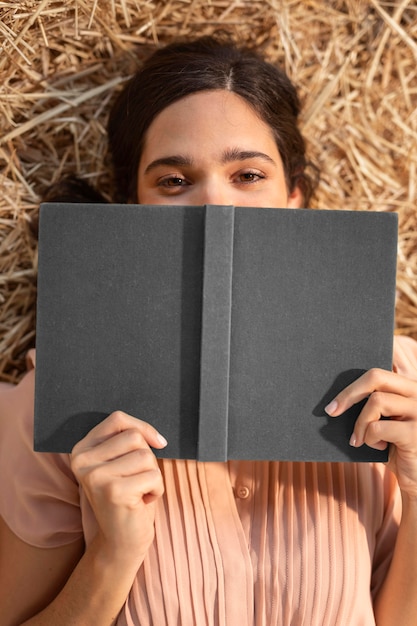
x,y
331,407
353,440
162,440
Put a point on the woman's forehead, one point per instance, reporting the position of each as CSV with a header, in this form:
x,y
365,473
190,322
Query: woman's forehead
x,y
218,123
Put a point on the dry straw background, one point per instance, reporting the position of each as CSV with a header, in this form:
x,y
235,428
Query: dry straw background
x,y
354,62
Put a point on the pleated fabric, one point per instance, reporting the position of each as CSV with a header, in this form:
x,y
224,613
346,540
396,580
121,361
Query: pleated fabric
x,y
236,544
259,544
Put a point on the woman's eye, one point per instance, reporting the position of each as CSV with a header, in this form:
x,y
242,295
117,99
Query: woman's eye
x,y
250,177
172,181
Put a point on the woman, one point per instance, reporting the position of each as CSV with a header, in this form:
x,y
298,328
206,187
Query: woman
x,y
110,535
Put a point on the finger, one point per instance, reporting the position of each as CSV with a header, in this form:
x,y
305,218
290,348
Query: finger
x,y
103,478
131,490
402,434
112,448
132,463
119,422
373,380
378,405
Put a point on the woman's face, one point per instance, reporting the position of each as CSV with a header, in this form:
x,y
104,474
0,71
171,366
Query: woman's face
x,y
212,148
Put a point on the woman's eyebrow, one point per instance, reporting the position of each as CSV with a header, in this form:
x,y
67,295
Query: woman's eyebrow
x,y
237,154
175,160
228,156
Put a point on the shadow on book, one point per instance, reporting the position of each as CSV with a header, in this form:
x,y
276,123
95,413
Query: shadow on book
x,y
338,430
73,429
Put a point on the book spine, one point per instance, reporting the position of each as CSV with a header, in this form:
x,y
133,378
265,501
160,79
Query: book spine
x,y
215,339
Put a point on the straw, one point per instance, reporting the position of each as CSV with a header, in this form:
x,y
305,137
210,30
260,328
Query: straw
x,y
61,64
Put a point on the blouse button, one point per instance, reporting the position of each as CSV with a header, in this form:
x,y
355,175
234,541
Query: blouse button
x,y
243,492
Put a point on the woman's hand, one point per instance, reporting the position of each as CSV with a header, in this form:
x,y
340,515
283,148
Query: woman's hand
x,y
119,473
394,397
120,476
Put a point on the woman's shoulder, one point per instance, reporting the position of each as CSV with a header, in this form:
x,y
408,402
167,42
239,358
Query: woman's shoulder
x,y
17,400
47,490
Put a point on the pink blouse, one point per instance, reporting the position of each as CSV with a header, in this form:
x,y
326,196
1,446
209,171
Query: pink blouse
x,y
236,544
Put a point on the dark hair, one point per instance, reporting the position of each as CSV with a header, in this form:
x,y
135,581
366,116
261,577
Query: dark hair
x,y
67,189
72,189
181,69
184,68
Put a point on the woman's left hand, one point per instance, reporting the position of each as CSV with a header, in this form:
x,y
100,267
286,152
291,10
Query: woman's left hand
x,y
391,396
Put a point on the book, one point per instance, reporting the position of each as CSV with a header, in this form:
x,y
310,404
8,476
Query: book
x,y
227,328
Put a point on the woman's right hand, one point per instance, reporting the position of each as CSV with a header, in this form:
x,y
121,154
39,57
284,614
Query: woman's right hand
x,y
119,473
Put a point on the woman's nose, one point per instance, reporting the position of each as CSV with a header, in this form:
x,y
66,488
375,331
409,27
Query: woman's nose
x,y
213,192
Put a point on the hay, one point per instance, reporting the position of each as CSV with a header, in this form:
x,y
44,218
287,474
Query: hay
x,y
354,62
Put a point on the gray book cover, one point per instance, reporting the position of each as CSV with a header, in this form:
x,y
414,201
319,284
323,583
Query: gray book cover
x,y
227,328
